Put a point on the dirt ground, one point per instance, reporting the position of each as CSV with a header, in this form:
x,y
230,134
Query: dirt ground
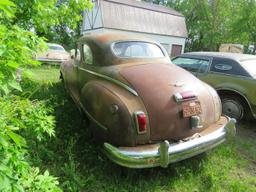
x,y
247,129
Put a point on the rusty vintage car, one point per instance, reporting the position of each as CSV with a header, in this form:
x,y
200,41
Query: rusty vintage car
x,y
145,111
54,55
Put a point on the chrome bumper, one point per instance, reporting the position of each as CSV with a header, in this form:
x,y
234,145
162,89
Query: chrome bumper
x,y
44,60
164,153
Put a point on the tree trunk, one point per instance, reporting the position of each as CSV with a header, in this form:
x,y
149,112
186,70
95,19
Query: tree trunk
x,y
254,48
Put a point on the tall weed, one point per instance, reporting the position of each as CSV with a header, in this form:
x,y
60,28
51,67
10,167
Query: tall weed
x,y
21,119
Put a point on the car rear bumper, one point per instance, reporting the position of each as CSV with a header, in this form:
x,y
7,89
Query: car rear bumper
x,y
45,60
162,154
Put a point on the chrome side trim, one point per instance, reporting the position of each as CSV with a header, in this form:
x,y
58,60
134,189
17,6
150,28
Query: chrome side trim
x,y
111,80
80,107
231,75
91,118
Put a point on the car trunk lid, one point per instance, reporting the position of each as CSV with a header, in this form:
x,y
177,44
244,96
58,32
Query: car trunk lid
x,y
157,84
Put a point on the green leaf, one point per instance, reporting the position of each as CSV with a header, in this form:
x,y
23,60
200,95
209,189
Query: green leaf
x,y
15,85
8,10
20,141
7,2
12,64
5,89
5,183
3,140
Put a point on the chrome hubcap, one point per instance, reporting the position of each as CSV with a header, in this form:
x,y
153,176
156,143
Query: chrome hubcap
x,y
232,109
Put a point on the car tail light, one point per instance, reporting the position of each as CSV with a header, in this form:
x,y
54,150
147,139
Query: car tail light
x,y
141,122
185,96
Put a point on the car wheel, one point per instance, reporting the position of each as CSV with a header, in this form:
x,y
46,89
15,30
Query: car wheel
x,y
232,107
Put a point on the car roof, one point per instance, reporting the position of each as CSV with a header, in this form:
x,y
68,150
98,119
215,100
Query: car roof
x,y
54,44
235,56
110,37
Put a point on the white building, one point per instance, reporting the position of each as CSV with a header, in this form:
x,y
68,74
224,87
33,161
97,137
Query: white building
x,y
165,25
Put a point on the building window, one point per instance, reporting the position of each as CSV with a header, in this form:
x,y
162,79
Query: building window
x,y
176,50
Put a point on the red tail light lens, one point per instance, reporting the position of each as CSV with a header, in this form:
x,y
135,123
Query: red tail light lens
x,y
188,95
185,96
141,122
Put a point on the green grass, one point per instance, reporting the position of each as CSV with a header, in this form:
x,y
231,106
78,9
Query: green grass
x,y
80,165
45,73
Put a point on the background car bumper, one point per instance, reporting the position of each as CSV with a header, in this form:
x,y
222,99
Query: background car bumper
x,y
164,153
44,60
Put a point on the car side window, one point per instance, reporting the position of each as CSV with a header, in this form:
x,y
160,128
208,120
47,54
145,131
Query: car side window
x,y
77,55
227,66
196,65
87,55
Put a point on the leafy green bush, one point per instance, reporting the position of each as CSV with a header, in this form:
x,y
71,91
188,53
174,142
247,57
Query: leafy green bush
x,y
17,46
20,119
25,123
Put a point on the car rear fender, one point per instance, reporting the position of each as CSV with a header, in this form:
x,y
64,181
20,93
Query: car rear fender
x,y
112,107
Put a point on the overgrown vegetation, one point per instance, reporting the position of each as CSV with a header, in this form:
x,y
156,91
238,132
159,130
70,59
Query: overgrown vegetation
x,y
21,122
26,123
80,165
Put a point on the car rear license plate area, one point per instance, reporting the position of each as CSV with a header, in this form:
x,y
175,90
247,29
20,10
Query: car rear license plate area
x,y
191,108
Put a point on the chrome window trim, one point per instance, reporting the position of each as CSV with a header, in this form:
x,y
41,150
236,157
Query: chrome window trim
x,y
159,46
199,58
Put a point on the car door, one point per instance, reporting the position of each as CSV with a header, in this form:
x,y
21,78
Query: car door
x,y
86,68
71,74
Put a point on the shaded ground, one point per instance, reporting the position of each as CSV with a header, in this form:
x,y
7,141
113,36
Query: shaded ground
x,y
78,161
246,132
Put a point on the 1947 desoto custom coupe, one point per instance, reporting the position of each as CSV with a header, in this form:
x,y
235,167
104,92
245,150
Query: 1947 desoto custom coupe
x,y
146,112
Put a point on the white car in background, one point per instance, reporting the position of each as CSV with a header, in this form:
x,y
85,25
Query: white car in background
x,y
55,54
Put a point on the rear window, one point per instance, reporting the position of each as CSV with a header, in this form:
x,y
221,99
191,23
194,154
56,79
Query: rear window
x,y
55,48
136,49
250,66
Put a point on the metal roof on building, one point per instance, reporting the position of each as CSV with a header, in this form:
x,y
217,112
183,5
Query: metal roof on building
x,y
138,16
148,6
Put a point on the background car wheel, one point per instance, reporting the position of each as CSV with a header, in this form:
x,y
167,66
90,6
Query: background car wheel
x,y
232,107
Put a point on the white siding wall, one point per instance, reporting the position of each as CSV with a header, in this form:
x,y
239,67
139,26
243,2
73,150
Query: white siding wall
x,y
168,41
